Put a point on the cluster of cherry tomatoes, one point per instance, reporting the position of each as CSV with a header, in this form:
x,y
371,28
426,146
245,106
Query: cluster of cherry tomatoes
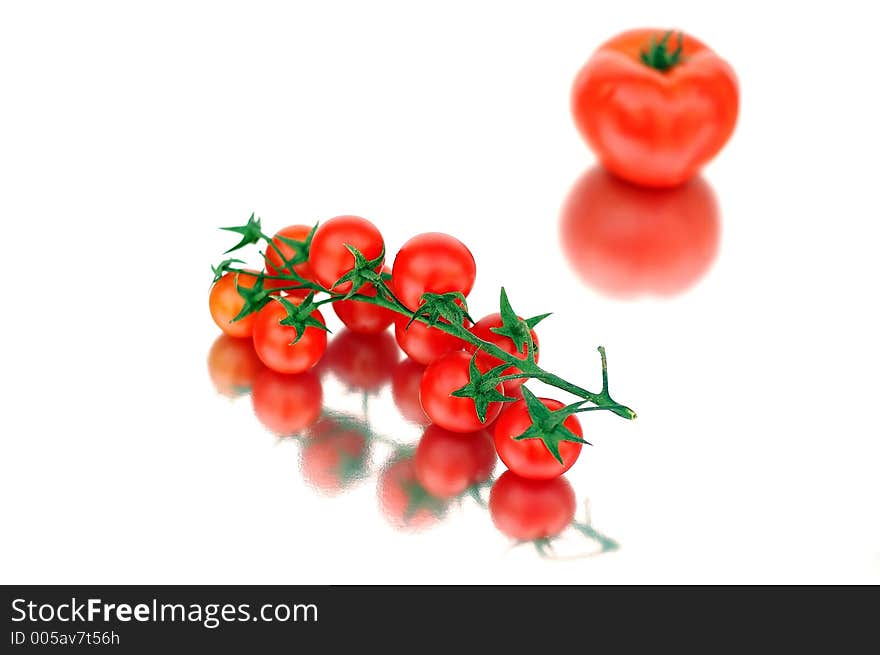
x,y
417,485
431,263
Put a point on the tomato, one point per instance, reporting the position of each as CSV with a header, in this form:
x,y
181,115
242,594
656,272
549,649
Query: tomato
x,y
531,509
330,259
363,317
274,263
405,382
447,463
363,361
447,374
432,263
422,343
225,304
530,458
286,404
404,502
627,241
483,330
233,365
655,127
274,342
334,456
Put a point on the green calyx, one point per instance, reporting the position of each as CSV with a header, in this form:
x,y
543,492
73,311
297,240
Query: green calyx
x,y
251,232
549,425
516,329
451,307
363,272
482,388
659,57
418,499
299,317
300,248
224,267
255,297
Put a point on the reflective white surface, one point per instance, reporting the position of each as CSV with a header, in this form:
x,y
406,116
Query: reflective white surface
x,y
127,138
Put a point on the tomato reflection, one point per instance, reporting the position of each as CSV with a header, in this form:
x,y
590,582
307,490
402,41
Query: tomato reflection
x,y
287,404
527,510
405,383
334,456
404,501
233,364
448,463
627,241
363,362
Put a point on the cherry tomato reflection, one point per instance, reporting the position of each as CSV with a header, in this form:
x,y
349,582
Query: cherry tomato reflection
x,y
334,456
233,364
404,501
447,463
405,383
364,362
286,404
531,509
627,241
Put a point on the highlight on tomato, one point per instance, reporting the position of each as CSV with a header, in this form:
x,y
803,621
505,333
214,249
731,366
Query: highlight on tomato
x,y
282,347
330,258
627,241
448,463
655,105
432,263
362,362
528,510
404,502
458,414
334,456
286,404
363,317
226,303
233,365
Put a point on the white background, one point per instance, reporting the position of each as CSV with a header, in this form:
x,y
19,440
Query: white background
x,y
129,132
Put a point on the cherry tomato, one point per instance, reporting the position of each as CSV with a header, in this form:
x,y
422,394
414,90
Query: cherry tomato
x,y
447,374
655,127
531,509
405,502
274,263
405,384
447,463
363,317
422,343
233,365
483,330
530,458
328,256
363,361
286,404
334,456
627,241
432,263
274,342
225,304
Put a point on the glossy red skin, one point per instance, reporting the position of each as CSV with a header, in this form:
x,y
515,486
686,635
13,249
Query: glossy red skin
x,y
225,303
650,127
447,463
531,509
482,329
432,263
394,488
330,259
286,404
447,374
359,316
364,362
272,341
627,241
233,365
530,458
324,454
405,383
422,343
274,264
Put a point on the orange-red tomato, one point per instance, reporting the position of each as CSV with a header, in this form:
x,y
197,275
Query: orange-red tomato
x,y
225,304
655,127
275,343
233,365
531,509
286,404
626,241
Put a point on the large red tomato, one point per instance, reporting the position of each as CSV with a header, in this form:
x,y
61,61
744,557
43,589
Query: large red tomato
x,y
329,258
422,343
277,344
655,108
531,509
432,263
627,241
364,317
450,373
